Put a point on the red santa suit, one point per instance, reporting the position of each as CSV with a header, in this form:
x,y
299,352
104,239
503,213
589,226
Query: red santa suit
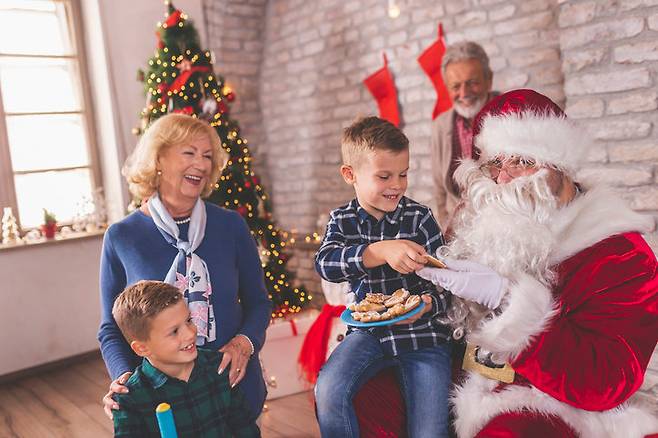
x,y
580,347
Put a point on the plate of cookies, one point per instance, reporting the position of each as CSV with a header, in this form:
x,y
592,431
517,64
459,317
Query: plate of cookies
x,y
378,309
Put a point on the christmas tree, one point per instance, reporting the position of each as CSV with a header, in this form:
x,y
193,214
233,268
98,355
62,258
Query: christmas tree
x,y
180,79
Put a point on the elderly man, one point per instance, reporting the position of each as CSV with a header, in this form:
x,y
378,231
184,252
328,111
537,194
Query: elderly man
x,y
466,71
552,283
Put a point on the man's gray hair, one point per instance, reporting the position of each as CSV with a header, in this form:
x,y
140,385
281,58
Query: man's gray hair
x,y
466,50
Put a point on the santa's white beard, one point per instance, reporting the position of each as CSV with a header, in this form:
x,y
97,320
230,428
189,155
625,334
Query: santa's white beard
x,y
505,227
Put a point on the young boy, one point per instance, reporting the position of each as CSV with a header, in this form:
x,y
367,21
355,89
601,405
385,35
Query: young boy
x,y
154,319
376,242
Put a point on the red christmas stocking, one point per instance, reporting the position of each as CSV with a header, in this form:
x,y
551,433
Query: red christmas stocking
x,y
430,61
380,84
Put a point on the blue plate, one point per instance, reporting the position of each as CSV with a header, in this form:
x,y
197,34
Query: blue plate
x,y
346,317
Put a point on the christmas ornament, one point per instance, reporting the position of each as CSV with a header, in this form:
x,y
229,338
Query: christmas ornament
x,y
10,234
430,61
184,65
208,108
381,86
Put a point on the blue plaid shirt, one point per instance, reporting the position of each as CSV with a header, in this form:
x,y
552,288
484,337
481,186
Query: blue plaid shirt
x,y
340,258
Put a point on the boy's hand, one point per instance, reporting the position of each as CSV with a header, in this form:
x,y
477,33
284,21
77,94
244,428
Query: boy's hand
x,y
402,255
428,307
117,386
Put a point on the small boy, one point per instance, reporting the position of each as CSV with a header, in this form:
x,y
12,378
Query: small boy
x,y
154,319
377,242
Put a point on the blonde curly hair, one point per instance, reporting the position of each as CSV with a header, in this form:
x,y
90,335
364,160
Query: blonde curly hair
x,y
170,130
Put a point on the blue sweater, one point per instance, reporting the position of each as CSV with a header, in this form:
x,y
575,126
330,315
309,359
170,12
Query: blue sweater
x,y
134,250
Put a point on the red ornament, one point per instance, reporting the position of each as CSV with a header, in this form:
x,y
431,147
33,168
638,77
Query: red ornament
x,y
242,210
230,96
221,107
255,180
173,18
184,110
430,62
161,44
381,86
247,184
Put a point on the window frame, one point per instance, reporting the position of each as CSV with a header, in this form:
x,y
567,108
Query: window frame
x,y
82,83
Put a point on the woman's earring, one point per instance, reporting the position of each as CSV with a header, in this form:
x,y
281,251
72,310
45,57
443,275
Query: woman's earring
x,y
159,172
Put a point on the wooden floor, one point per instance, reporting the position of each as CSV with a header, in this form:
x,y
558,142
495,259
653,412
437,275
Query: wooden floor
x,y
66,403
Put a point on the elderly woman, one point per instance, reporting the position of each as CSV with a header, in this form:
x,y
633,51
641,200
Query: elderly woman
x,y
205,250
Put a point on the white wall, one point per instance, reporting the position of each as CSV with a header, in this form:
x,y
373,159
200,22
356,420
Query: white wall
x,y
49,305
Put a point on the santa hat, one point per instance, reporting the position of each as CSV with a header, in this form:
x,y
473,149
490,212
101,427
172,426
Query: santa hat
x,y
530,125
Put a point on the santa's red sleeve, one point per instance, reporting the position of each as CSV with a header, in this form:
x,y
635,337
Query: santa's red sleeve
x,y
595,351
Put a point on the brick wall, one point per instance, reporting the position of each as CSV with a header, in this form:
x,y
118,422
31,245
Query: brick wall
x,y
610,63
235,32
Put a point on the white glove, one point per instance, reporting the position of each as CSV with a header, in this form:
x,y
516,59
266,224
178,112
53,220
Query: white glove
x,y
469,280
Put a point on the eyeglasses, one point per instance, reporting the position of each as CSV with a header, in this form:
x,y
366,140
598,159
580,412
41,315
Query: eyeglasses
x,y
513,166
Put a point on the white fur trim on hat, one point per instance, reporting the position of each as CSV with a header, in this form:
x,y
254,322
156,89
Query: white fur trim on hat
x,y
545,138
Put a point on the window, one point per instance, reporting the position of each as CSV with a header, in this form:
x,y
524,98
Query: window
x,y
47,159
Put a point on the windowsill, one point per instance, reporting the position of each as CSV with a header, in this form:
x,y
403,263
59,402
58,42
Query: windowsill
x,y
56,240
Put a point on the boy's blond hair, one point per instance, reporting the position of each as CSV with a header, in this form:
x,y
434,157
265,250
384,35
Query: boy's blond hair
x,y
137,305
369,134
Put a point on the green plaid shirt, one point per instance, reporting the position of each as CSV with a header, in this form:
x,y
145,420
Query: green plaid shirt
x,y
205,406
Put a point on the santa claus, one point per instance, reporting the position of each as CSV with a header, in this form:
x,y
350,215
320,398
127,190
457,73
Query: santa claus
x,y
553,285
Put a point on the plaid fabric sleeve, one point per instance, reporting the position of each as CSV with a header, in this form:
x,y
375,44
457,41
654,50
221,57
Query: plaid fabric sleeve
x,y
336,261
237,417
128,422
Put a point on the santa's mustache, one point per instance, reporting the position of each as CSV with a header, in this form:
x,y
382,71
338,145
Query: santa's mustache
x,y
525,195
505,226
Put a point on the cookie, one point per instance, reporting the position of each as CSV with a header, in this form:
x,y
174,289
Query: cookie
x,y
398,297
435,263
411,303
357,316
377,298
366,306
371,316
397,310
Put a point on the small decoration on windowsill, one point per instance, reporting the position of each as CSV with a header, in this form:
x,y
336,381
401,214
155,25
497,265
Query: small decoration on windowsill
x,y
49,226
32,236
10,234
91,214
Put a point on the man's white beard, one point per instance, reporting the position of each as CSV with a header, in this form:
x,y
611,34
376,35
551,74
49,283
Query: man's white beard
x,y
505,227
469,112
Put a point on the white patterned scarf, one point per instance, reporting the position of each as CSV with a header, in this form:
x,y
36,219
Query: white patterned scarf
x,y
195,282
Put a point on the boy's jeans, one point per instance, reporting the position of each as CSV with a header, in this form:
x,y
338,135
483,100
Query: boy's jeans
x,y
425,378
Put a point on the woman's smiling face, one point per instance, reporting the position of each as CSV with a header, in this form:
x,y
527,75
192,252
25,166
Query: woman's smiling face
x,y
185,169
